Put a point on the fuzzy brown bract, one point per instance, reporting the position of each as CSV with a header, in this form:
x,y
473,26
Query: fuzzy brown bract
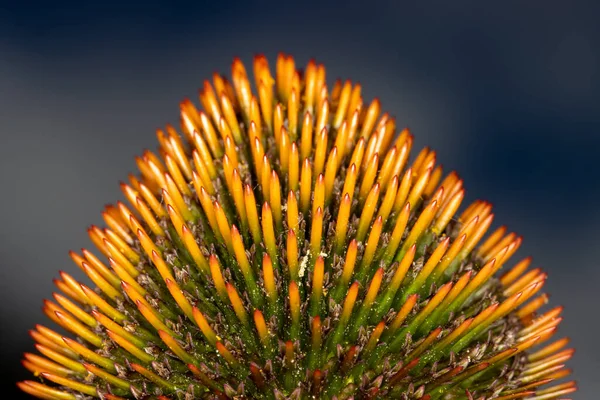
x,y
286,246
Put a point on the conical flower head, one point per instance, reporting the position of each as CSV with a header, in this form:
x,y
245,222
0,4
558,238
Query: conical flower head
x,y
286,245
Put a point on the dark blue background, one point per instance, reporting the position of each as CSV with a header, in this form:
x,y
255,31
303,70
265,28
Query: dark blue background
x,y
508,94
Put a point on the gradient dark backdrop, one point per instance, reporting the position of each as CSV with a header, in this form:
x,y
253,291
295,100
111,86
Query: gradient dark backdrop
x,y
507,94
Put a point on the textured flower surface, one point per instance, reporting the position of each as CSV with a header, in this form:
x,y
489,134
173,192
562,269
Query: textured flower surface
x,y
286,246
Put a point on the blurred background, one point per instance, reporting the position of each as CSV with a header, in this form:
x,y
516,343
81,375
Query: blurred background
x,y
508,95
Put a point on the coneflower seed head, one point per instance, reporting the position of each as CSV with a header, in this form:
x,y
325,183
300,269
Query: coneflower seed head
x,y
287,247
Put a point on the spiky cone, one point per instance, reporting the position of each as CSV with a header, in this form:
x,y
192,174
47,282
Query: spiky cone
x,y
285,247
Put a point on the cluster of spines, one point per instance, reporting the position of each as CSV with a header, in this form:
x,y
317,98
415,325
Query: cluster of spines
x,y
285,247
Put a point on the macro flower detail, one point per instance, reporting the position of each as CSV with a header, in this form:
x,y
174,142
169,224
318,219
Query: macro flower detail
x,y
286,246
